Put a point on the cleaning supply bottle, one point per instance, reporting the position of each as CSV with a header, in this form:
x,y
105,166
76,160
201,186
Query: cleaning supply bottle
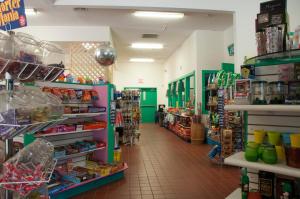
x,y
244,183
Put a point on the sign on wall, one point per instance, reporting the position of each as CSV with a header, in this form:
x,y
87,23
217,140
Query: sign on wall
x,y
12,14
230,49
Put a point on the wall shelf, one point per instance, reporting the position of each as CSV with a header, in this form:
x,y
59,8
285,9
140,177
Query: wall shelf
x,y
279,168
285,57
270,108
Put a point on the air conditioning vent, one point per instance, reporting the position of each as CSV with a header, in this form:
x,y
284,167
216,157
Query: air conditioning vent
x,y
149,36
81,9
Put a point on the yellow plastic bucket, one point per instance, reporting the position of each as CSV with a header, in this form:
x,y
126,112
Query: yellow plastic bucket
x,y
280,153
259,136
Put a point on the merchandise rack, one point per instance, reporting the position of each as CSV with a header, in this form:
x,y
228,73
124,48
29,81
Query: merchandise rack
x,y
77,189
172,128
28,70
282,118
104,154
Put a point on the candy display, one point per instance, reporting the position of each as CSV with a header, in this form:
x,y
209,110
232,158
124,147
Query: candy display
x,y
65,179
259,92
77,147
276,92
27,107
73,95
29,168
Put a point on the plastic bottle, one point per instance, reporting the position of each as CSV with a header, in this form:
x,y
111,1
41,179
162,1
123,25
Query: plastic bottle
x,y
244,183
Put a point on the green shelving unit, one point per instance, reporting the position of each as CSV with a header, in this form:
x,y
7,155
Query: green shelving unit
x,y
178,97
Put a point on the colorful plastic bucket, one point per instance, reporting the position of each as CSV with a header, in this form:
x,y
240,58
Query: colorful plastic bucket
x,y
295,140
286,140
259,136
274,137
280,153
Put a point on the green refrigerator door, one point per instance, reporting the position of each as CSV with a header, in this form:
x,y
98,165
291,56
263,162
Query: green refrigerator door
x,y
148,104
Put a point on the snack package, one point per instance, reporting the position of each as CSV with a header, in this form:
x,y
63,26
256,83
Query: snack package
x,y
86,96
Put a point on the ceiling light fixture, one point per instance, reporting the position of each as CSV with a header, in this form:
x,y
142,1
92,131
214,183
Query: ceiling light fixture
x,y
147,45
145,60
152,14
31,11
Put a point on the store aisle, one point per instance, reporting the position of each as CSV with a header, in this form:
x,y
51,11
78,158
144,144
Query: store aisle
x,y
163,166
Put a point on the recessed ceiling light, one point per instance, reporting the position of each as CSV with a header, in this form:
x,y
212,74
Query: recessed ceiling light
x,y
152,14
31,11
147,45
146,60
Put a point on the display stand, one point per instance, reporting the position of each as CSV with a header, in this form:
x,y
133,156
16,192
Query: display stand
x,y
180,125
104,154
281,118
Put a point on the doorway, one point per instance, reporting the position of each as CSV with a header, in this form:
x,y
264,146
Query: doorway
x,y
148,103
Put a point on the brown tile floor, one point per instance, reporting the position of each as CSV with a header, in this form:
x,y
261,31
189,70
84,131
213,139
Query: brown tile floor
x,y
161,165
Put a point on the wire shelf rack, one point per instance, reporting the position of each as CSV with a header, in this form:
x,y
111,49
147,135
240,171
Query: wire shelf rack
x,y
44,178
25,71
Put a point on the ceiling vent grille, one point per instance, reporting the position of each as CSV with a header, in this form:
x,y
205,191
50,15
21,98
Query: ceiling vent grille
x,y
81,9
149,36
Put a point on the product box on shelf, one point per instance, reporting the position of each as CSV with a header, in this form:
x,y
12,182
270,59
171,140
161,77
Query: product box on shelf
x,y
242,93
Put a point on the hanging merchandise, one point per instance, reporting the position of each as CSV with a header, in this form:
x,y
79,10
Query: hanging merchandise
x,y
225,126
131,115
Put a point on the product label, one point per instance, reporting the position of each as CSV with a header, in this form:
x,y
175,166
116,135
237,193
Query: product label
x,y
266,187
12,14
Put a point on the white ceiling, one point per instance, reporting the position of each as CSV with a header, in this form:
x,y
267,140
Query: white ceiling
x,y
127,29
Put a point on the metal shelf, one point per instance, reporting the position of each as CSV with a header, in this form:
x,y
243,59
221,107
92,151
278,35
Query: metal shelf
x,y
25,70
279,168
82,115
79,154
67,133
271,108
15,130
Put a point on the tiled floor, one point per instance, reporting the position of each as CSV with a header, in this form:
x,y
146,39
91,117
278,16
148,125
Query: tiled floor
x,y
161,165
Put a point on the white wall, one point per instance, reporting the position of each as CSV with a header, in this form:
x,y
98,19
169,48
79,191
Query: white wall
x,y
183,60
203,50
140,75
228,39
210,51
69,33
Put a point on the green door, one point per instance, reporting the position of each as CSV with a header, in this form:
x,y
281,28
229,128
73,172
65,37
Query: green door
x,y
148,104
